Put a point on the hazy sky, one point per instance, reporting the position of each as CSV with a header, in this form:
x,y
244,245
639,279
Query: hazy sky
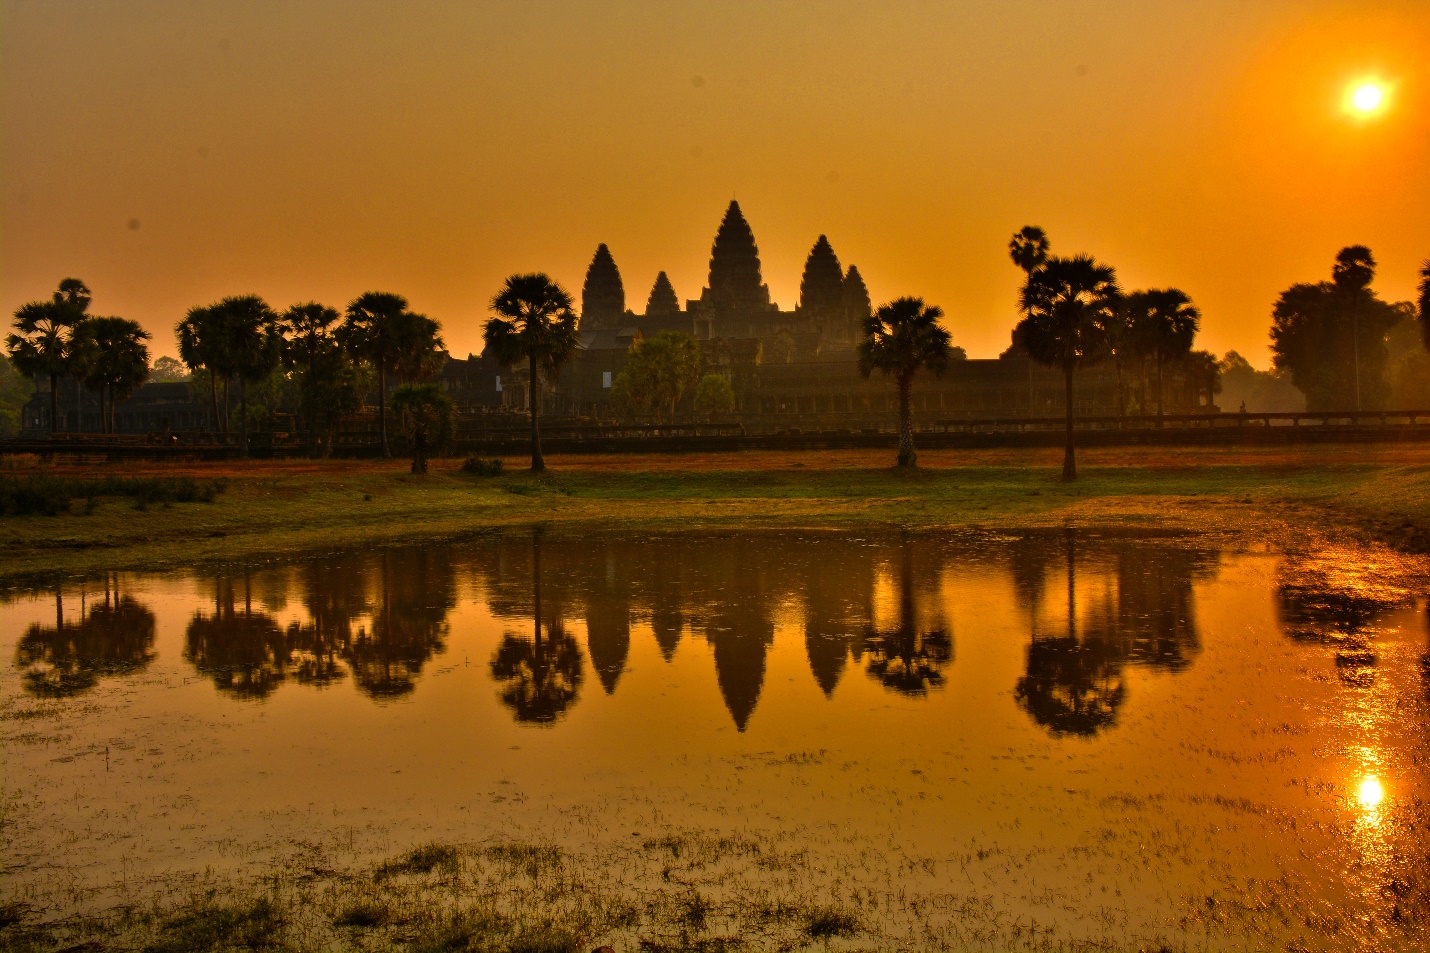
x,y
172,153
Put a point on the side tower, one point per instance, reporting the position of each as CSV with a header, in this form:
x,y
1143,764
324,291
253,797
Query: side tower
x,y
603,296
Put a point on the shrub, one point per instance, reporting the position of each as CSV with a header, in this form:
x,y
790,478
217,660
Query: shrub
x,y
48,496
483,467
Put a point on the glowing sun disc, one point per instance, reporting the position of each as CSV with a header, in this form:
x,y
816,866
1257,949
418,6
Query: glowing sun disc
x,y
1371,793
1367,97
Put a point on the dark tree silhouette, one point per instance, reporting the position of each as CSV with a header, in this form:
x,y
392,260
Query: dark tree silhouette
x,y
43,339
418,353
1069,303
311,343
202,347
426,415
603,296
253,348
374,331
899,339
416,591
1162,324
1029,249
534,323
112,358
1423,301
112,639
1330,336
662,301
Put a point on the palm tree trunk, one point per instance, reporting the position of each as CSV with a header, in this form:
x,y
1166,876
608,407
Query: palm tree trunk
x,y
1117,369
382,407
1159,385
1069,463
907,457
228,379
537,462
243,417
213,395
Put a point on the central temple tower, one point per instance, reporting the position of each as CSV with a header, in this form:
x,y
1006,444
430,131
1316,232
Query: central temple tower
x,y
735,283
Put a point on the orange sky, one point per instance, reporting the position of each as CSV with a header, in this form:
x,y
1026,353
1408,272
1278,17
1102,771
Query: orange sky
x,y
173,153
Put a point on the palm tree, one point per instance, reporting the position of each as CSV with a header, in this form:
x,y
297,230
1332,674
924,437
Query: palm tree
x,y
200,336
1163,323
1424,300
372,331
1069,303
535,322
114,360
426,415
1029,249
253,348
43,339
417,352
308,330
899,338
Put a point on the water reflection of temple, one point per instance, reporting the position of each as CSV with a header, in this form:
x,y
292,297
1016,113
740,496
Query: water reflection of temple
x,y
113,637
1137,610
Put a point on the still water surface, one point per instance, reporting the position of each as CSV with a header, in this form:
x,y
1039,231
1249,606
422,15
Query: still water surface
x,y
1119,738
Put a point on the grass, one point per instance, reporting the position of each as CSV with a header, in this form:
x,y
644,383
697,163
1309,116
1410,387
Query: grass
x,y
278,507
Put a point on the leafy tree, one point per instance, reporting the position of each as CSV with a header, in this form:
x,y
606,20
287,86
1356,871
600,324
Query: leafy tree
x,y
374,331
714,395
426,415
900,338
112,358
201,347
534,323
1330,336
168,370
252,348
43,339
661,369
1029,249
1161,324
15,390
1069,303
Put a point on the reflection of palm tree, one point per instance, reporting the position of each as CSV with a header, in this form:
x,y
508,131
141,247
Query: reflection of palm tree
x,y
1312,607
1072,685
113,639
906,659
409,625
243,651
334,594
541,677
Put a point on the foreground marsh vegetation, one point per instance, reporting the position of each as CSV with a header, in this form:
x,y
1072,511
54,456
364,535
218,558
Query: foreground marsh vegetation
x,y
295,506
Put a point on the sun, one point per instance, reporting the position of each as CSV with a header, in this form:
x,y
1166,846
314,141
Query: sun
x,y
1366,98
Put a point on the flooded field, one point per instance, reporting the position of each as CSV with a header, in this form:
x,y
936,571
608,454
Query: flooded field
x,y
1055,740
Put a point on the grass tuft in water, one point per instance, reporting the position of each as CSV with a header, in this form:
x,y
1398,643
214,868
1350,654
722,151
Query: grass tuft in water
x,y
828,922
422,860
252,925
364,914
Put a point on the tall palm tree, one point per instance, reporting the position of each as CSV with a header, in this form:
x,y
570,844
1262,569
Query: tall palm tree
x,y
417,353
1029,249
899,338
307,328
1163,323
253,348
43,340
201,344
1069,303
535,322
113,361
372,331
1423,303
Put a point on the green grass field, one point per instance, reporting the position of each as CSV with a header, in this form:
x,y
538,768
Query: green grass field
x,y
288,507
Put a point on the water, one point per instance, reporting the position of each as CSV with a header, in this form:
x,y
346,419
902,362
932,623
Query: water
x,y
977,740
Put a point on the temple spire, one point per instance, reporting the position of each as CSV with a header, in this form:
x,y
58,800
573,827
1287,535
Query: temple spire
x,y
662,301
603,297
821,290
735,282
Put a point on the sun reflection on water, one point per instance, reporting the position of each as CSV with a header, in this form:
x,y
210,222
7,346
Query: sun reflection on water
x,y
1371,793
